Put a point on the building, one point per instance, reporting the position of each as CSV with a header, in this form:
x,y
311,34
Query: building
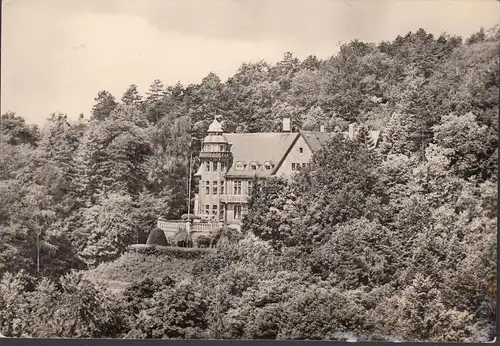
x,y
231,162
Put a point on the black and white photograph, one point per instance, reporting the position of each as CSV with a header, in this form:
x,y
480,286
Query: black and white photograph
x,y
249,170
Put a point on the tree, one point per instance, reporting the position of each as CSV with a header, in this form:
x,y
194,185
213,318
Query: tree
x,y
105,104
269,210
364,137
112,158
177,312
131,96
15,131
108,229
359,253
339,185
424,317
155,107
465,137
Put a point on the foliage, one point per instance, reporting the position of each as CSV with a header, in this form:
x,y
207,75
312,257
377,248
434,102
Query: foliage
x,y
132,267
396,242
157,237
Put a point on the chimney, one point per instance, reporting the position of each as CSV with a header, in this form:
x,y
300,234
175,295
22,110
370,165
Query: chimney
x,y
286,124
322,128
352,128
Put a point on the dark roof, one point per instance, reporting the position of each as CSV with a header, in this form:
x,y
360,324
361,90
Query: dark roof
x,y
315,140
258,148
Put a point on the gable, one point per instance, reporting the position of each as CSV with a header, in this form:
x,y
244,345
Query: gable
x,y
297,156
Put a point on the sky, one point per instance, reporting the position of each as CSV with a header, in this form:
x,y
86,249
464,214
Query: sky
x,y
57,54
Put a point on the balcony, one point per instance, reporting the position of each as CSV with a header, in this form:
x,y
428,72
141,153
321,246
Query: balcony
x,y
215,155
234,198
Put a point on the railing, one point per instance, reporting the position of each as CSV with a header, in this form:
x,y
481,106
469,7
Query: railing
x,y
234,198
171,225
209,226
215,155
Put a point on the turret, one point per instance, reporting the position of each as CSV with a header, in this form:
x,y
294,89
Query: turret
x,y
215,159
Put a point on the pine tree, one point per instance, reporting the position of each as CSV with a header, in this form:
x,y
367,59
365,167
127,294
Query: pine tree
x,y
105,104
364,137
131,97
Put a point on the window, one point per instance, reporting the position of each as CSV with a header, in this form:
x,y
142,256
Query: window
x,y
207,188
239,166
253,166
214,209
293,167
249,189
221,147
237,187
237,211
267,166
207,209
301,150
214,187
207,166
222,187
223,166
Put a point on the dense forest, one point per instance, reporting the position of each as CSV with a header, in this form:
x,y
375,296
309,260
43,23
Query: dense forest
x,y
397,242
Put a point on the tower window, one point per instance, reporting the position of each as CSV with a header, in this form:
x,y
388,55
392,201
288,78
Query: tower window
x,y
221,147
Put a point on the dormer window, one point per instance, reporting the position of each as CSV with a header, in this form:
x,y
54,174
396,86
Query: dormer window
x,y
267,166
253,166
239,166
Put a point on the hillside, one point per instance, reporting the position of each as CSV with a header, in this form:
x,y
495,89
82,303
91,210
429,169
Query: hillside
x,y
397,240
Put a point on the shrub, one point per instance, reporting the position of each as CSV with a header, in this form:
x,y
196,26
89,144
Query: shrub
x,y
190,216
203,241
157,237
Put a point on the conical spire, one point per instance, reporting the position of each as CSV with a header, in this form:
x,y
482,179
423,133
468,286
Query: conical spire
x,y
215,126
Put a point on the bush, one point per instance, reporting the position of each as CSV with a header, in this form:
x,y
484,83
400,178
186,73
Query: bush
x,y
173,252
190,216
157,237
203,241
